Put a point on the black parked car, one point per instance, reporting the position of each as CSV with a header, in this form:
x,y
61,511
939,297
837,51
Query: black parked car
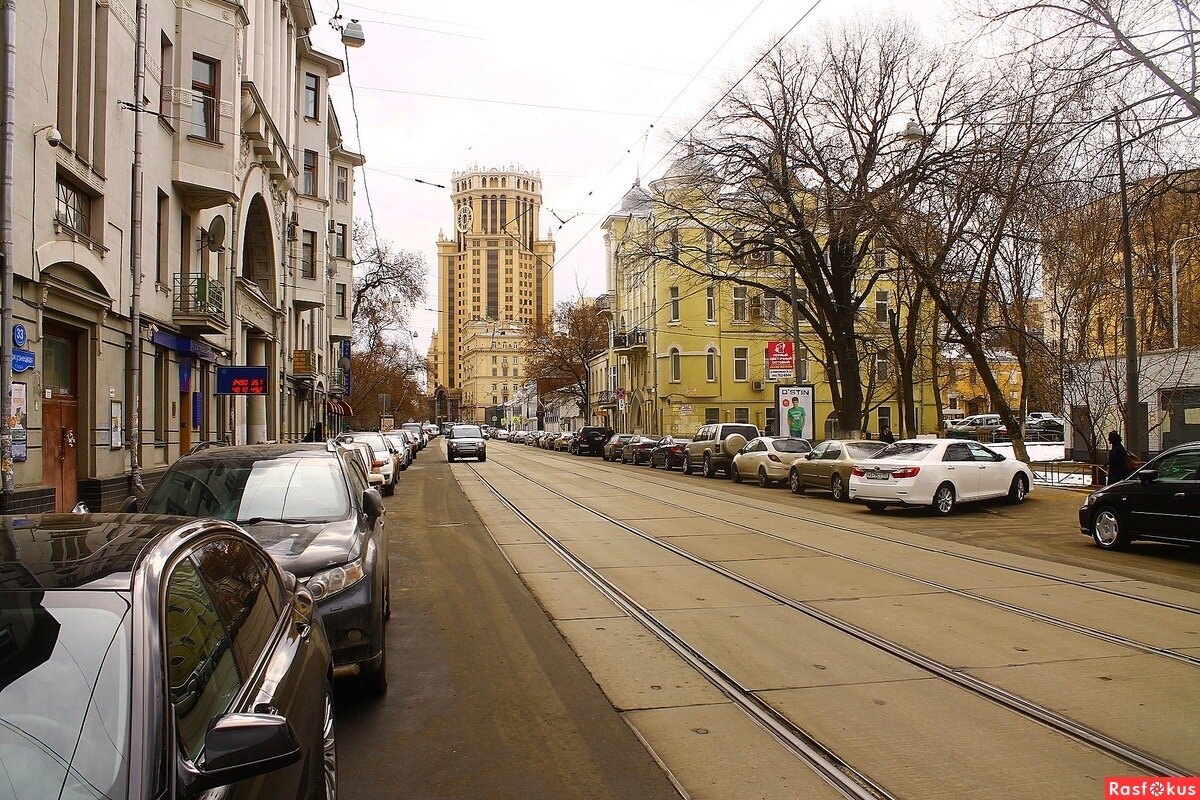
x,y
669,452
637,450
1160,501
591,441
310,506
154,657
612,448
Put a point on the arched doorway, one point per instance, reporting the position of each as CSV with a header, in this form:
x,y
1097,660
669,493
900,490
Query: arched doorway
x,y
257,307
258,248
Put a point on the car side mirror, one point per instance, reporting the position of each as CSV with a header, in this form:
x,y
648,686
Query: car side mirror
x,y
372,503
999,457
130,506
242,746
1148,475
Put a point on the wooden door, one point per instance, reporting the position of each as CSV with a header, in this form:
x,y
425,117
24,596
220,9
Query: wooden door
x,y
60,418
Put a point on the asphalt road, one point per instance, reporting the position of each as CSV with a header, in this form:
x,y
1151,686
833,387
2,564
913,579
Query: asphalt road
x,y
486,699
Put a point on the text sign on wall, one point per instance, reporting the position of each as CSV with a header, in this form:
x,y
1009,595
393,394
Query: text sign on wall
x,y
781,360
242,380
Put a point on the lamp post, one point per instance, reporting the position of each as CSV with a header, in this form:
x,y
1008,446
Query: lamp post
x,y
1175,289
1132,422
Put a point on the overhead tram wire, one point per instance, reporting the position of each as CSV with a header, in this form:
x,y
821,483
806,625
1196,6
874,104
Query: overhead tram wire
x,y
702,117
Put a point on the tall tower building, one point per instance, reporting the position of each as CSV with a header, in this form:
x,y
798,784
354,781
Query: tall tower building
x,y
494,270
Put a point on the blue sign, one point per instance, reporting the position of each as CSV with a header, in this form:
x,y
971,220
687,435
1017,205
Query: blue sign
x,y
345,348
20,337
23,360
242,380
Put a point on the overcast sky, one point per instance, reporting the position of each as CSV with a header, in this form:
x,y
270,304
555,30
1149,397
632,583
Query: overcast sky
x,y
569,93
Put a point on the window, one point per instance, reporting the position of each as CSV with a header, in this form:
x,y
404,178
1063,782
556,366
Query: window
x,y
160,239
339,300
162,383
312,95
674,303
339,240
72,207
202,677
741,363
237,581
710,359
343,184
740,304
742,415
308,254
166,58
675,366
309,185
712,416
205,99
881,306
770,306
883,366
711,304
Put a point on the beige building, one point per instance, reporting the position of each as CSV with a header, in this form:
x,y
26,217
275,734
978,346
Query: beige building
x,y
494,268
491,368
247,206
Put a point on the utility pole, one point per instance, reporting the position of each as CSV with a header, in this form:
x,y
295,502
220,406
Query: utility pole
x,y
8,30
1133,423
135,257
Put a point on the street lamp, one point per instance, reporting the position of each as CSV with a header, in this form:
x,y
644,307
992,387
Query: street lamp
x,y
1175,289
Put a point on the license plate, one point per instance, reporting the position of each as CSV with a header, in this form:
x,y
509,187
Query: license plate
x,y
878,475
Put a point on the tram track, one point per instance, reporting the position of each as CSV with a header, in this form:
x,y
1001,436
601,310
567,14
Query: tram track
x,y
820,758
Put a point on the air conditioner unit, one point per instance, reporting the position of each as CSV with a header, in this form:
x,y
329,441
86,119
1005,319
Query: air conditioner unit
x,y
756,305
757,386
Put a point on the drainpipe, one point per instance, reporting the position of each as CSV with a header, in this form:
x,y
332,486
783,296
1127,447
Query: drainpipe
x,y
234,325
135,256
9,32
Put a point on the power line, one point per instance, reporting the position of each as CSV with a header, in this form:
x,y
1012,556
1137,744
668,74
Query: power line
x,y
517,103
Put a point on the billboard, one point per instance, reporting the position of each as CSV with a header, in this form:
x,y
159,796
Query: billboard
x,y
794,405
781,360
242,380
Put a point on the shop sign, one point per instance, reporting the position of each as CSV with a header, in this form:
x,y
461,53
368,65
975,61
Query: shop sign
x,y
781,360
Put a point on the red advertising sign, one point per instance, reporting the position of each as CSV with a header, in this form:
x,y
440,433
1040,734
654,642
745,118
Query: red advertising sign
x,y
781,360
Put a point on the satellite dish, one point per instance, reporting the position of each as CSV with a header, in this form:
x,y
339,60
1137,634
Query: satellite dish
x,y
216,234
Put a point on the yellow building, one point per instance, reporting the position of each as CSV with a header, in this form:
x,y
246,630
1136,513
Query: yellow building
x,y
491,367
494,267
688,351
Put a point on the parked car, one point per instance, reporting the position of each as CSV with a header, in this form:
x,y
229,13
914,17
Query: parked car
x,y
768,459
136,640
431,430
939,473
419,430
366,457
828,466
500,435
466,441
1038,416
668,451
614,445
976,426
402,449
547,439
381,451
1159,502
711,448
563,442
310,507
637,450
517,437
591,441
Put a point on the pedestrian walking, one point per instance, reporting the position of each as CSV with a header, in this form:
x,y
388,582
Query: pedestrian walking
x,y
1119,459
886,435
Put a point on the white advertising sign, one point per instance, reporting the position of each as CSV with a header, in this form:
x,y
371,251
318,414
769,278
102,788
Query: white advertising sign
x,y
795,409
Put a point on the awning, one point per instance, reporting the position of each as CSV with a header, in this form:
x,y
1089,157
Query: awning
x,y
338,406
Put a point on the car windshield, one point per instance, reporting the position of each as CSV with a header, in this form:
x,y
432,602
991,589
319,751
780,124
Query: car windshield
x,y
466,432
64,695
375,440
412,426
862,449
290,489
910,451
792,445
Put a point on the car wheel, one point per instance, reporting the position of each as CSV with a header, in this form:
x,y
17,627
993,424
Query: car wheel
x,y
876,508
735,474
328,788
1019,490
687,465
943,499
795,483
483,458
763,480
389,489
710,471
837,488
1108,529
375,682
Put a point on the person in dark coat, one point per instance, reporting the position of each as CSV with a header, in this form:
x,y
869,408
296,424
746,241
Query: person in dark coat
x,y
1118,458
886,435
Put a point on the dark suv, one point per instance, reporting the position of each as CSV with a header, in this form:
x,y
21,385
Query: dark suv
x,y
310,507
591,441
708,450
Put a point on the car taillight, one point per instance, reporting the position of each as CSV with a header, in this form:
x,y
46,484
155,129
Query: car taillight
x,y
775,458
906,472
676,449
857,471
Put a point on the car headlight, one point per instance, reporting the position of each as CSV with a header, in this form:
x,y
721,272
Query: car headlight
x,y
329,582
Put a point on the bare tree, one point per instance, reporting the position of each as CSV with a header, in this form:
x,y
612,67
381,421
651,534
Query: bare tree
x,y
558,352
388,283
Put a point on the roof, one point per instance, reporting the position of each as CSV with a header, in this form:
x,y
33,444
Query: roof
x,y
259,451
74,551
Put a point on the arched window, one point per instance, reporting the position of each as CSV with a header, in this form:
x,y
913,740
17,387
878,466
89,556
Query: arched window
x,y
710,359
495,227
675,365
483,215
503,213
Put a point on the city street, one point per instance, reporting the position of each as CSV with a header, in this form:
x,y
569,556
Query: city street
x,y
759,644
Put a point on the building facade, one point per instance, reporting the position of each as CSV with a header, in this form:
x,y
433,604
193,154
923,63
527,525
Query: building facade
x,y
491,368
495,268
247,203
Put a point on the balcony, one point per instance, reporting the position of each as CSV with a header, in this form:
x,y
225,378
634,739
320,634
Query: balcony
x,y
199,305
304,364
338,381
607,397
632,340
604,304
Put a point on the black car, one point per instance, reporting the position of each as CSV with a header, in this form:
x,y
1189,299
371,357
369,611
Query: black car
x,y
310,506
152,657
612,448
1160,501
466,441
668,451
637,450
591,441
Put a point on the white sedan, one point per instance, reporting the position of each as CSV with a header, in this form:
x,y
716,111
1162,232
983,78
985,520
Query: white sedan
x,y
939,473
768,458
